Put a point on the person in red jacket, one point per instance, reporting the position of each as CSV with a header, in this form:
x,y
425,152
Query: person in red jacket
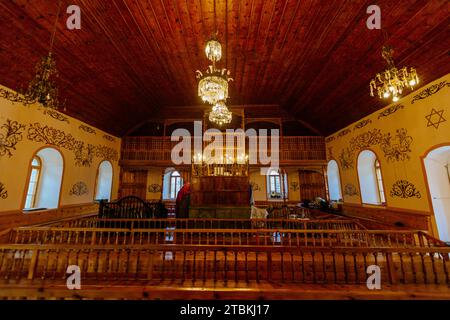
x,y
182,201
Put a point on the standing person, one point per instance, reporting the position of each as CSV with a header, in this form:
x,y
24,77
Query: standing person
x,y
182,201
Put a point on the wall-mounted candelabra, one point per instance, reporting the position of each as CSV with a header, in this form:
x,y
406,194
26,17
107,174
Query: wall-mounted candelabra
x,y
219,166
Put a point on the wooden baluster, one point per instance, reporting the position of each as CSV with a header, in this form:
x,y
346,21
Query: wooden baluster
x,y
215,268
57,251
257,267
424,269
184,266
355,267
138,258
150,261
205,253
194,266
235,266
164,264
413,267
345,268
334,268
313,266
324,268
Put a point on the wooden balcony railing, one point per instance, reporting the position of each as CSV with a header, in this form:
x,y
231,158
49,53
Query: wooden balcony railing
x,y
108,264
159,148
233,237
95,222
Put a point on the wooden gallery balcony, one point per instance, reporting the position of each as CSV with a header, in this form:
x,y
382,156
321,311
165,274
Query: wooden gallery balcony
x,y
156,151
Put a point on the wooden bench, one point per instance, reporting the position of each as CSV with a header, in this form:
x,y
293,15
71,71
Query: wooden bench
x,y
129,207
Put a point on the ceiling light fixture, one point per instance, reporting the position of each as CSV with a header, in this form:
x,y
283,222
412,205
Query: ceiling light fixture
x,y
220,114
42,88
392,81
213,84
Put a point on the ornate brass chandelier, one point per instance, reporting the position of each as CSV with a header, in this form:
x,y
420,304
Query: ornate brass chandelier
x,y
220,114
392,81
42,88
213,84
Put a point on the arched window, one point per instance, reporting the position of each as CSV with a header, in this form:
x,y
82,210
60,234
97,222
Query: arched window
x,y
36,165
104,181
276,185
334,181
172,184
437,167
44,182
370,179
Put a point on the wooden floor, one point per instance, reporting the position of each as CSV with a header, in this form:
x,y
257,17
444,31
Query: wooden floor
x,y
209,290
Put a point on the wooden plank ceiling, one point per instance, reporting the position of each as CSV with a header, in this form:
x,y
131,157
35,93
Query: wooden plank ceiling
x,y
134,59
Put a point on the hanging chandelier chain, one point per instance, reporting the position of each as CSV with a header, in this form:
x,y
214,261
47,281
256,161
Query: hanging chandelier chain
x,y
52,39
41,89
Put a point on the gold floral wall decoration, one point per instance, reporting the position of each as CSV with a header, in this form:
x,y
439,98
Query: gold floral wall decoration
x,y
428,92
346,159
11,136
109,138
3,191
366,140
350,190
49,135
255,186
344,133
56,115
396,148
330,153
78,189
84,154
362,124
404,189
106,153
87,129
390,110
154,188
294,186
329,139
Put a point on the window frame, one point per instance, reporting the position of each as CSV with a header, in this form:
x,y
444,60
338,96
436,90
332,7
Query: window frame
x,y
97,177
282,183
175,178
37,182
379,179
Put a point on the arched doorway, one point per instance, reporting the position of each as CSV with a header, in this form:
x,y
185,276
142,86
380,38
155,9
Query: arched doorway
x,y
437,167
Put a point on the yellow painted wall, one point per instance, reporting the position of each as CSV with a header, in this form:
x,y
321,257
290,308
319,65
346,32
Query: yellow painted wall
x,y
411,115
15,160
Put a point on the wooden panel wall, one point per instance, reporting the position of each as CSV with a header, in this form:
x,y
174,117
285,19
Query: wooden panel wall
x,y
133,183
312,185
